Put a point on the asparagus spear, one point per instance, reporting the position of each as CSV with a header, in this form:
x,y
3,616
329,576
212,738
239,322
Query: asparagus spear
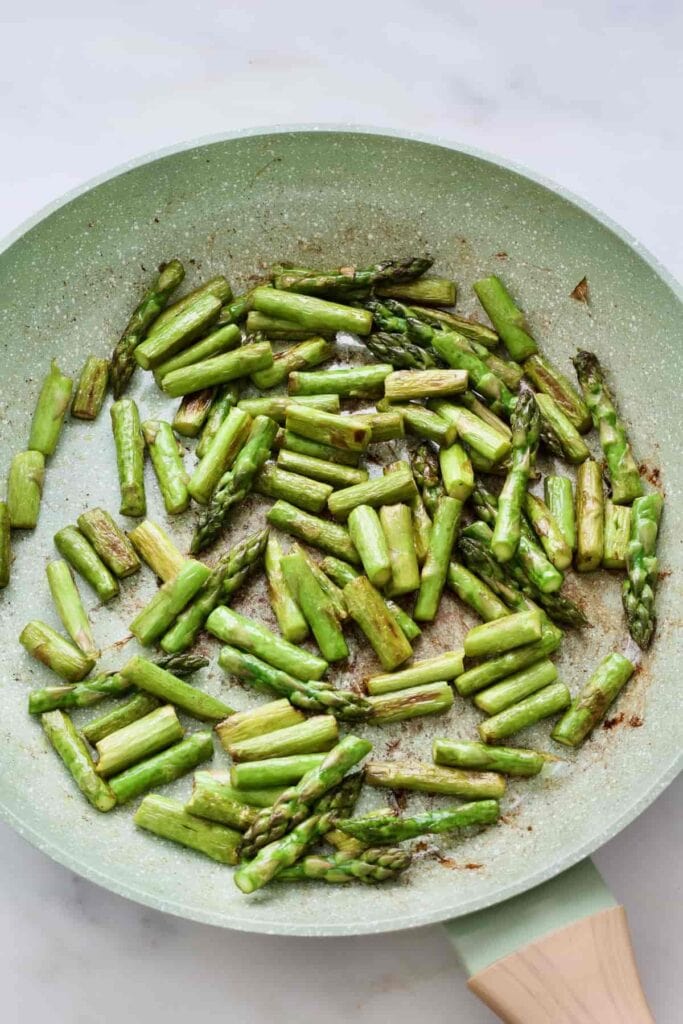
x,y
162,684
241,362
138,740
306,446
63,657
469,328
5,545
251,636
310,312
319,533
507,319
427,778
638,592
275,771
162,768
621,466
168,465
389,273
274,482
551,382
589,517
494,638
181,665
329,428
516,687
169,820
150,624
242,725
316,606
130,456
122,715
61,733
351,382
226,398
276,406
209,800
342,573
548,532
487,440
24,489
456,472
220,454
559,497
389,489
82,695
435,569
152,302
247,797
397,525
91,389
492,670
457,352
73,546
290,620
191,414
110,543
369,611
413,702
559,433
224,339
425,467
525,432
308,353
237,310
216,286
546,702
166,339
320,469
370,866
320,732
156,548
70,608
591,705
617,535
395,830
405,385
281,853
474,592
482,412
50,411
470,754
401,353
368,537
275,329
384,425
444,666
432,291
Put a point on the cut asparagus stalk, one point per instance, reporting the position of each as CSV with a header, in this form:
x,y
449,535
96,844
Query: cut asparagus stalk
x,y
138,740
456,471
389,489
373,830
367,608
317,608
479,435
430,291
5,545
564,395
156,548
239,631
426,424
175,333
235,311
349,280
131,711
130,456
224,339
247,797
327,427
482,412
507,319
320,469
310,312
169,820
397,525
559,497
282,330
368,537
525,434
162,768
342,573
638,591
310,495
50,411
280,854
290,620
428,778
243,725
469,328
493,638
559,433
431,699
306,446
226,398
347,845
617,536
241,362
110,542
475,593
320,732
276,406
46,645
73,546
24,489
275,771
70,608
332,592
548,531
150,624
51,698
351,382
209,800
191,414
516,687
479,757
167,687
458,353
435,569
61,733
217,286
319,533
384,426
491,671
432,670
590,527
220,454
91,389
309,353
168,465
542,704
422,527
370,866
590,706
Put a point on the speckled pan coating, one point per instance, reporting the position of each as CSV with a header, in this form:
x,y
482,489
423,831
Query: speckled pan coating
x,y
68,284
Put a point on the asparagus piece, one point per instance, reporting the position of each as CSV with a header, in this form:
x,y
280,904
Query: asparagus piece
x,y
162,684
548,532
162,768
507,319
329,428
237,310
422,527
5,545
316,606
50,411
50,698
488,672
482,412
474,592
516,687
241,362
46,645
70,608
312,313
176,333
318,733
156,548
432,291
414,702
351,382
444,666
305,446
169,820
435,569
290,620
393,487
280,854
427,476
225,400
546,702
220,454
168,465
525,433
494,638
477,756
427,778
276,771
481,436
73,546
216,286
342,573
110,542
401,353
319,533
384,426
146,312
551,382
409,384
24,489
469,328
617,534
308,353
309,696
589,517
367,608
209,800
276,406
389,273
276,714
91,389
181,665
383,831
559,497
150,624
456,472
251,636
621,466
458,354
397,525
130,455
559,433
320,469
134,742
275,329
246,797
274,482
61,733
124,714
426,424
224,339
368,537
638,592
192,412
591,705
370,866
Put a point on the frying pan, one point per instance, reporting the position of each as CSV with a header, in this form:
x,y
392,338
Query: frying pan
x,y
69,279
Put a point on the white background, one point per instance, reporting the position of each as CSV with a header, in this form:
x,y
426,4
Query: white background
x,y
587,93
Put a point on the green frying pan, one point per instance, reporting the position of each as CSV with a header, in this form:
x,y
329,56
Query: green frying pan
x,y
69,279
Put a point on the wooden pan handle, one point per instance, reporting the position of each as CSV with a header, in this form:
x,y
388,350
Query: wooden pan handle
x,y
584,973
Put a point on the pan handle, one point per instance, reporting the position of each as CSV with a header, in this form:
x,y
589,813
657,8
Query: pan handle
x,y
560,952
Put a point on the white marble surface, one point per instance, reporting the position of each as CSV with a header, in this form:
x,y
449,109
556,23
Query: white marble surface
x,y
585,93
